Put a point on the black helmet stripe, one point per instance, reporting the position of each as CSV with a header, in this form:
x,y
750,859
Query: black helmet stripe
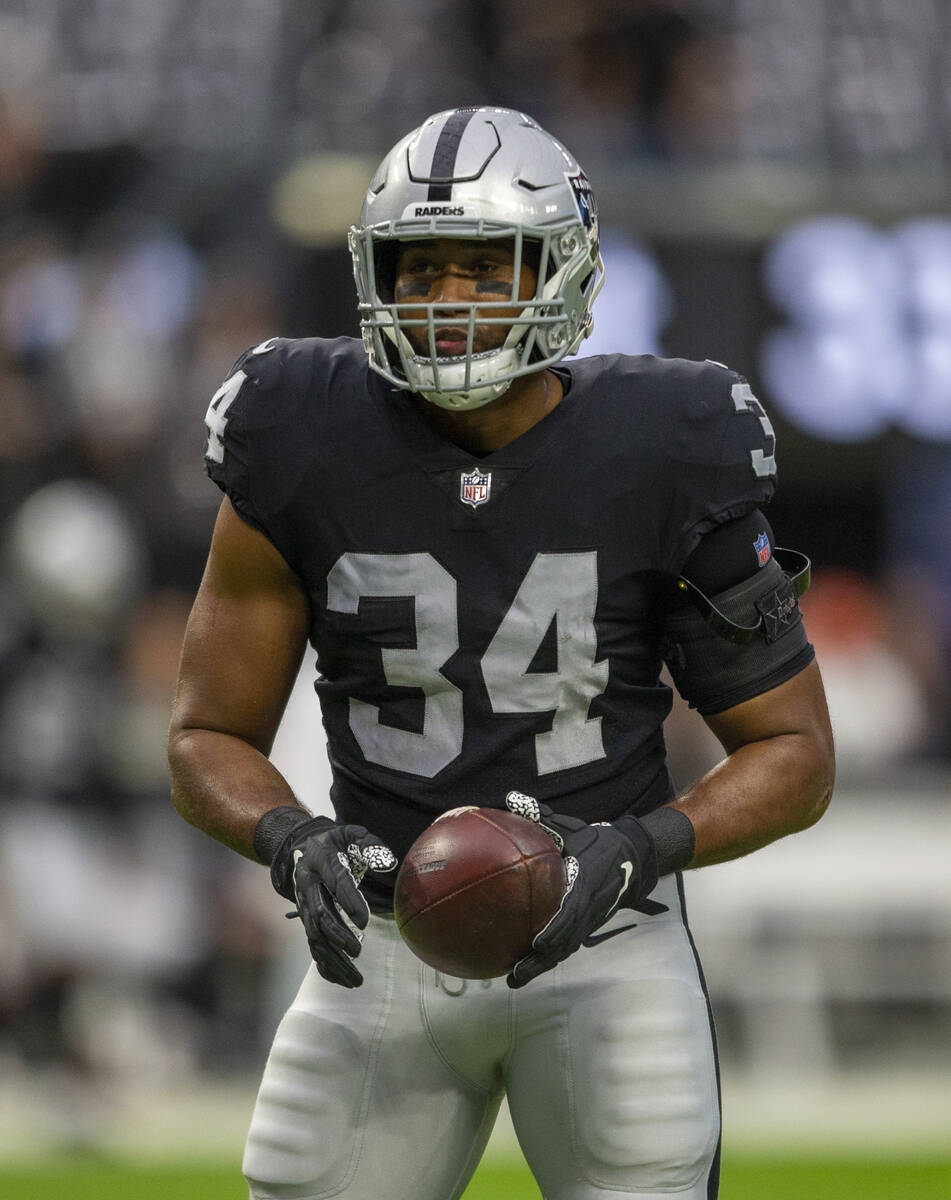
x,y
444,156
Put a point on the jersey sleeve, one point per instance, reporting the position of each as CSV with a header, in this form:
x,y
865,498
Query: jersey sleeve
x,y
270,432
721,458
232,410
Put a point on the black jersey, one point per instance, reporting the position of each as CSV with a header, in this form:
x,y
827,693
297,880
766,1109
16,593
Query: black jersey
x,y
488,623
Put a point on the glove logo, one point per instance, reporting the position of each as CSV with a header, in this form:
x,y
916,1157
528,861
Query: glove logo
x,y
628,869
594,856
595,939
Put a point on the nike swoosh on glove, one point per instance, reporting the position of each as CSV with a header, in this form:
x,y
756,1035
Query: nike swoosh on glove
x,y
319,867
610,865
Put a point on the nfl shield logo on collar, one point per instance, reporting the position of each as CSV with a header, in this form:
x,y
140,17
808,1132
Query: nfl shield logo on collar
x,y
474,488
762,548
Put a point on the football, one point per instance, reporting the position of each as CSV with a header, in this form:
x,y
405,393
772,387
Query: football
x,y
475,888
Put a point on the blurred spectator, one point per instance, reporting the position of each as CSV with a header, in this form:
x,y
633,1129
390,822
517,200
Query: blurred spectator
x,y
635,78
876,700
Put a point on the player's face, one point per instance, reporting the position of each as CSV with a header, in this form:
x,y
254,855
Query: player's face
x,y
451,271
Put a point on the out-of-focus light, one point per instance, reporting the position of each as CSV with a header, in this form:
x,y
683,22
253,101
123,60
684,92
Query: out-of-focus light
x,y
40,305
635,302
151,288
924,247
818,379
76,559
924,250
832,271
319,198
868,345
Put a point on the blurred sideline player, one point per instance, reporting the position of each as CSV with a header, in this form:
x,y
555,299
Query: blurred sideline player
x,y
493,553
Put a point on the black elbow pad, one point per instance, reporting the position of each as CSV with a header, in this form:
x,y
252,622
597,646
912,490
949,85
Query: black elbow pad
x,y
725,649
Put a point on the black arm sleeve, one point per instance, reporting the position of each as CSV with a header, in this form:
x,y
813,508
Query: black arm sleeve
x,y
733,565
727,555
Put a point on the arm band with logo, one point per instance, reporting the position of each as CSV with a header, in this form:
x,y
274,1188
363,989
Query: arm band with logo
x,y
747,639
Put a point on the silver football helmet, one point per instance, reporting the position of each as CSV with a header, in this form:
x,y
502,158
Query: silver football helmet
x,y
474,173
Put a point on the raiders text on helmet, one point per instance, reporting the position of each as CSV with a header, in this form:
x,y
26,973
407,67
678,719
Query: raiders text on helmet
x,y
473,173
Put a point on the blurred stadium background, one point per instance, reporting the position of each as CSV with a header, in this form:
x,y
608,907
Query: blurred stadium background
x,y
175,183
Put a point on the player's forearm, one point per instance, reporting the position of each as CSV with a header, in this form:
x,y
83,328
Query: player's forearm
x,y
761,792
223,786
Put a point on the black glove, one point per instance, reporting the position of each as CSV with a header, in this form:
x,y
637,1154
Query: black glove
x,y
610,865
318,866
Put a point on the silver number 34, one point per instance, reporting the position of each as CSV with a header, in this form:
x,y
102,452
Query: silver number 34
x,y
559,588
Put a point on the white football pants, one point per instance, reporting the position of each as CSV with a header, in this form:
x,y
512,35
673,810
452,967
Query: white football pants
x,y
391,1090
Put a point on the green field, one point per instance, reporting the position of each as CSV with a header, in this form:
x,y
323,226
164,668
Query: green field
x,y
744,1178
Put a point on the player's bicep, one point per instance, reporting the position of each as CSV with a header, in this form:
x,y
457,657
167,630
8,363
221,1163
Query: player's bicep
x,y
796,707
245,637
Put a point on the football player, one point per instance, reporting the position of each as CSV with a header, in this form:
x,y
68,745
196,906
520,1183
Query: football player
x,y
493,551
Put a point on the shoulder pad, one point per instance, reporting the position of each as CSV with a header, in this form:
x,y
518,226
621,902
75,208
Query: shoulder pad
x,y
262,362
721,452
723,421
759,443
259,361
257,368
282,370
266,422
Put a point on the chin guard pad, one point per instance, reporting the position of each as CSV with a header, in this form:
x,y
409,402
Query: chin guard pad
x,y
742,641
